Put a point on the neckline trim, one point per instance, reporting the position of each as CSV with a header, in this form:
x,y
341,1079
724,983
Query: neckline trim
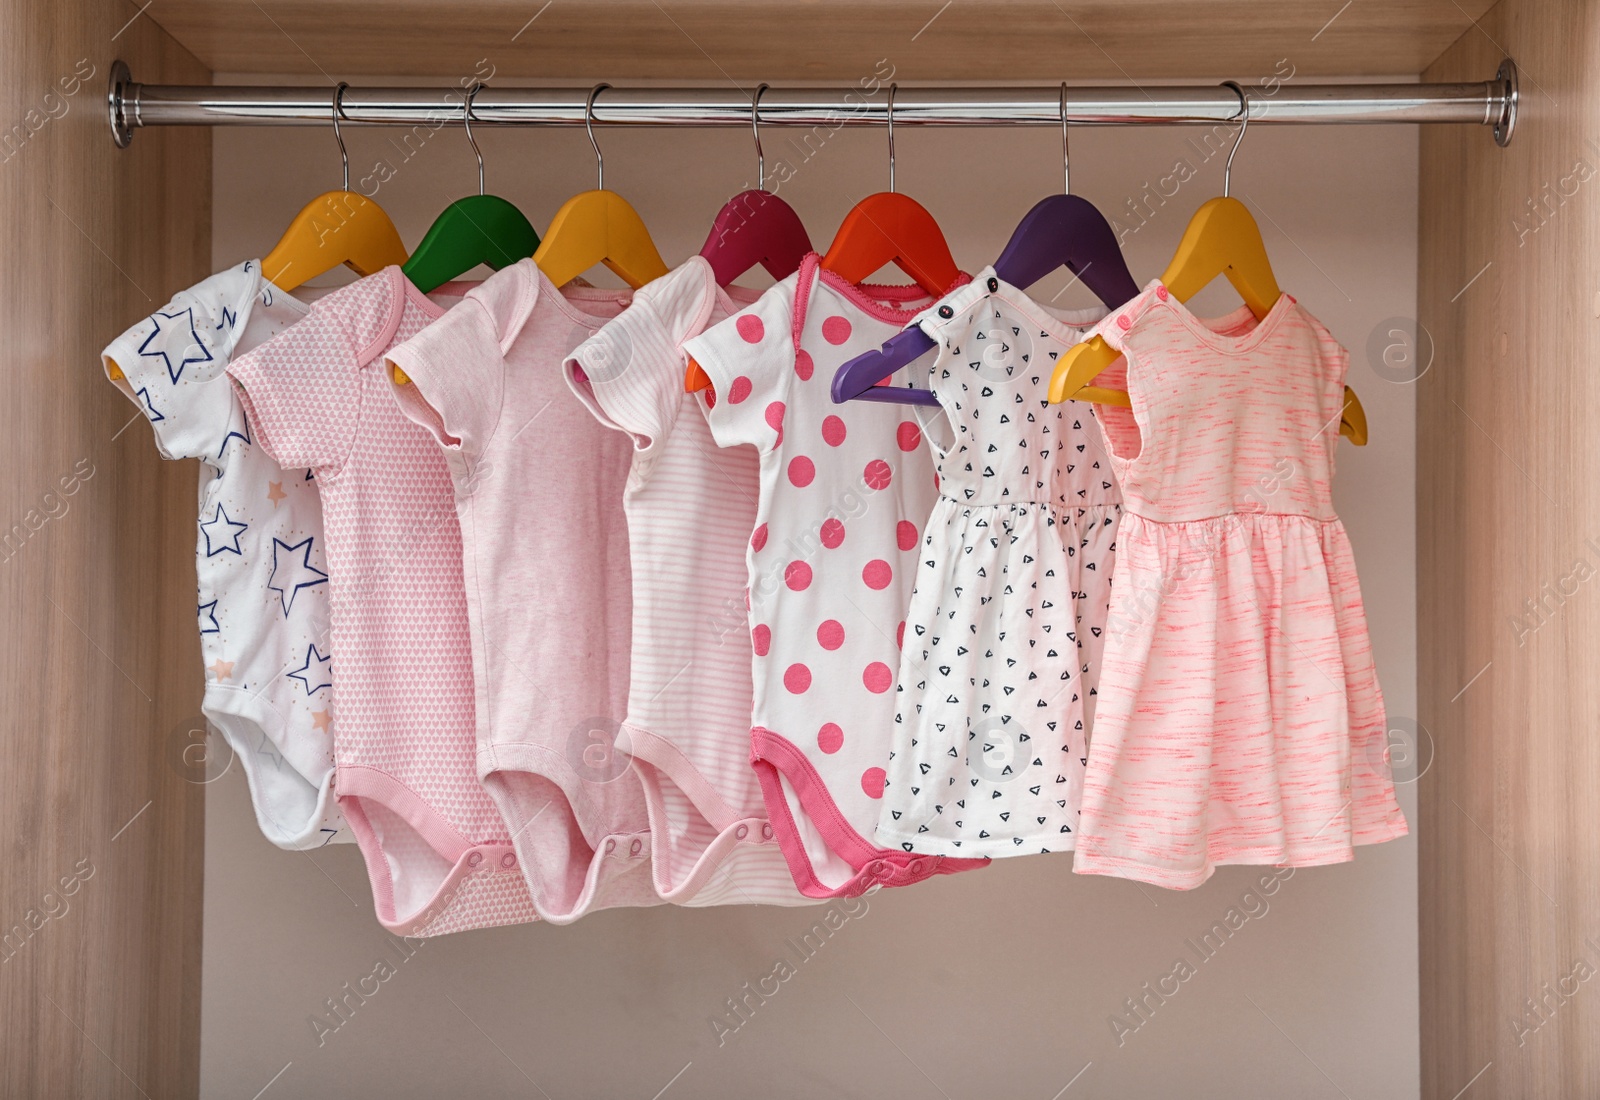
x,y
865,297
1229,345
1069,329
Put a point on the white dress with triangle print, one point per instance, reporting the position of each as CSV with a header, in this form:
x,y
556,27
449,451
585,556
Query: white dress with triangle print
x,y
1002,643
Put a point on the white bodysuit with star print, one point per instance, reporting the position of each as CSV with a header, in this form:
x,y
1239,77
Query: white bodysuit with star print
x,y
263,600
1000,662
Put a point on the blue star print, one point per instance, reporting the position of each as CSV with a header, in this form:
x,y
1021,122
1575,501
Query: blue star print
x,y
314,674
219,531
209,611
238,428
296,574
194,352
143,394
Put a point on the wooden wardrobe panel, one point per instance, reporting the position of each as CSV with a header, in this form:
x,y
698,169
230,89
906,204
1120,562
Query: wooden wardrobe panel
x,y
100,828
1508,483
715,41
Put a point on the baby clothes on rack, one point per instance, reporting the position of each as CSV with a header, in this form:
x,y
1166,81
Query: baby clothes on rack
x,y
263,603
844,492
998,670
691,506
538,490
437,851
1240,719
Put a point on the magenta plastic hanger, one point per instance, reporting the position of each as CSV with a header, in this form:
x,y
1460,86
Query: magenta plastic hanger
x,y
756,226
1060,231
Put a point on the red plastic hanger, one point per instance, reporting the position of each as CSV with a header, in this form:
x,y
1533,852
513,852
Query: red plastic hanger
x,y
755,227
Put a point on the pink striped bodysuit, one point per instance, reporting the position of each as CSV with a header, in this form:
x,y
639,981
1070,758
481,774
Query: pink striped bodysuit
x,y
1239,718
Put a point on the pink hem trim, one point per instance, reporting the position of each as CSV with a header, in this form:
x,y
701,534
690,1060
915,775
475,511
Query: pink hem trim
x,y
773,755
670,761
659,758
356,783
603,866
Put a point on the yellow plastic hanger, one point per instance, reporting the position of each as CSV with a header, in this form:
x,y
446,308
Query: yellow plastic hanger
x,y
337,227
1222,239
596,227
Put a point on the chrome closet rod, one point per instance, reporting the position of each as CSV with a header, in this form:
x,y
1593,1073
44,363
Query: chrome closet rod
x,y
1490,103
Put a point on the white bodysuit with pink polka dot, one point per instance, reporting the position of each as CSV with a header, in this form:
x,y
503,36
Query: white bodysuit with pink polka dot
x,y
844,491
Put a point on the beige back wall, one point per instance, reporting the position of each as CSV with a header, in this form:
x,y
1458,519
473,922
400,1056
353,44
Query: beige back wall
x,y
996,983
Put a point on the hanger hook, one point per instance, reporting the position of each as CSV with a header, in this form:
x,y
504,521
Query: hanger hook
x,y
588,124
755,127
1244,123
892,88
466,122
1066,159
338,112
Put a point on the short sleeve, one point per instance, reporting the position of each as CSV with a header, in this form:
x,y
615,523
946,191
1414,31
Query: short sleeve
x,y
301,390
750,359
456,366
630,373
172,364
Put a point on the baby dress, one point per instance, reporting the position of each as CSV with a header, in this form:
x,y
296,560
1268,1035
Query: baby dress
x,y
995,676
1240,719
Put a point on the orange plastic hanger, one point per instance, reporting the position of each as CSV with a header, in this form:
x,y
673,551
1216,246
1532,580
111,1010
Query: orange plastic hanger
x,y
337,227
892,228
1221,239
598,227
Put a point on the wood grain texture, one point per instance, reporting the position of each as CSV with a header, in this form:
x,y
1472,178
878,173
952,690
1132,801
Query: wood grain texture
x,y
100,832
717,41
1509,572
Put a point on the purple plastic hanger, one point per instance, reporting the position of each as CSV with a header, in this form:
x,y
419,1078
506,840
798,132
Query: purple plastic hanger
x,y
756,226
1061,230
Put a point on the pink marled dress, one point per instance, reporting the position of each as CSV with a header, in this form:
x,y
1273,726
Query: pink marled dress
x,y
1240,719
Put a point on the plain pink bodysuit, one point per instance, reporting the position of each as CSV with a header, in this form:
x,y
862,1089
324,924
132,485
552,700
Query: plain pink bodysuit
x,y
691,506
539,487
437,851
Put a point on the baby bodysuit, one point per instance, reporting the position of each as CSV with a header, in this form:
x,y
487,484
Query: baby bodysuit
x,y
538,490
263,600
690,506
438,854
845,490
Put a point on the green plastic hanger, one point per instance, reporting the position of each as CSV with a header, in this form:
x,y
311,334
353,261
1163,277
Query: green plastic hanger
x,y
479,229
